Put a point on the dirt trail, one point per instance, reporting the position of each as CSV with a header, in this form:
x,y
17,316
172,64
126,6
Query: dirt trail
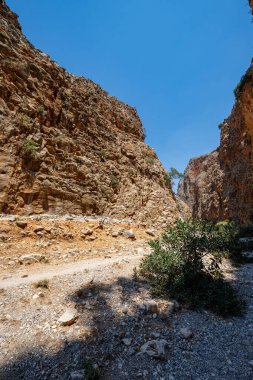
x,y
61,269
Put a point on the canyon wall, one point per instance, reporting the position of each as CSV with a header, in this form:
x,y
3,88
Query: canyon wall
x,y
66,146
219,185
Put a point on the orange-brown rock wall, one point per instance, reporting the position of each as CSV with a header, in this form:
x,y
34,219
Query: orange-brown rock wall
x,y
66,146
220,185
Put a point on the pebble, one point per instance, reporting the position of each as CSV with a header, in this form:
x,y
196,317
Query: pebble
x,y
127,341
186,333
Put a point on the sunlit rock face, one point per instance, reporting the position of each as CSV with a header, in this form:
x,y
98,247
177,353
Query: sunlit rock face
x,y
66,146
219,185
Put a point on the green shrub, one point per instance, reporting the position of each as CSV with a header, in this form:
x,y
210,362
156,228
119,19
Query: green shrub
x,y
91,373
42,284
237,90
185,264
150,160
24,120
114,181
29,148
41,110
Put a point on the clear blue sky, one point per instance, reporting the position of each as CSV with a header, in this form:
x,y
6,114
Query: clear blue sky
x,y
176,61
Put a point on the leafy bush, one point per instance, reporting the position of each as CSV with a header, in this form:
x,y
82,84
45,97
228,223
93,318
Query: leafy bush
x,y
29,148
185,264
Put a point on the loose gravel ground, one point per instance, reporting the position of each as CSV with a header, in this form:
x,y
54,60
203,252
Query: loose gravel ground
x,y
117,317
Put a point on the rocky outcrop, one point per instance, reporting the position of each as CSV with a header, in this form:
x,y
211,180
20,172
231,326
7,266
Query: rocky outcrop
x,y
200,188
220,185
66,146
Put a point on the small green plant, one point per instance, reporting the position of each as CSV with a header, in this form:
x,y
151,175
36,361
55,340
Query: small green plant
x,y
29,148
185,264
102,154
220,125
42,284
150,160
91,373
114,181
41,110
238,89
24,120
166,179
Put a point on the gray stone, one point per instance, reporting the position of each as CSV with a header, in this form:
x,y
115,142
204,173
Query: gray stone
x,y
115,233
77,375
127,341
186,333
247,254
155,348
86,231
129,234
31,259
68,317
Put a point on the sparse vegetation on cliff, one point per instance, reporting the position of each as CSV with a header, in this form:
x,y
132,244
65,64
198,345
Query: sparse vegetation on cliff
x,y
237,90
29,148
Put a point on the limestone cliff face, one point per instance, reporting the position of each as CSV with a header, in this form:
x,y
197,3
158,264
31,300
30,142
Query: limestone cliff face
x,y
66,146
220,185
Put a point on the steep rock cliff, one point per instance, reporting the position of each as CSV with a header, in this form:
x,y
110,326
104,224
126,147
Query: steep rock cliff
x,y
219,185
66,146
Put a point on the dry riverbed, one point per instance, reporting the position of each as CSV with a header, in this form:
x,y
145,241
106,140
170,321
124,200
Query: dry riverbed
x,y
76,302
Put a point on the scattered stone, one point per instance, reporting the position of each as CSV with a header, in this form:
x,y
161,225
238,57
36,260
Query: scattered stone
x,y
129,234
127,341
247,255
77,375
21,224
151,232
31,259
86,231
251,363
186,333
4,237
152,307
38,229
38,295
155,348
125,309
68,317
115,233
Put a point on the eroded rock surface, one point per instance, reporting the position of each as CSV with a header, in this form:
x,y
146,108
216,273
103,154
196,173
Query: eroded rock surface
x,y
66,145
219,185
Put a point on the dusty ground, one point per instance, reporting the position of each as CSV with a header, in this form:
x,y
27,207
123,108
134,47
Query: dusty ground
x,y
115,313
